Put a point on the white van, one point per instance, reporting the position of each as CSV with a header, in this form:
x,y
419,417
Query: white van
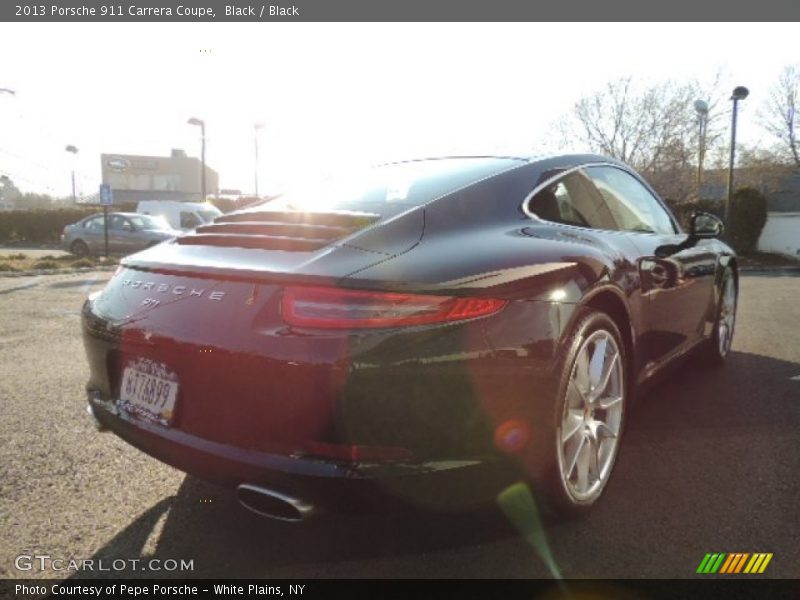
x,y
181,215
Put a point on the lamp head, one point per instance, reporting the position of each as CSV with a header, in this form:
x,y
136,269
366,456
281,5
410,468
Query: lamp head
x,y
740,93
701,107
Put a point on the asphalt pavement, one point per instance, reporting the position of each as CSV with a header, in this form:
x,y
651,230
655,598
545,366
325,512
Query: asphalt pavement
x,y
709,463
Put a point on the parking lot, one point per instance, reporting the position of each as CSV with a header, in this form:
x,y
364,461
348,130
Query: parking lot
x,y
709,463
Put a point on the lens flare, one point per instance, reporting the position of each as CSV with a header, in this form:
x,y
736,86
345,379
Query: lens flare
x,y
512,436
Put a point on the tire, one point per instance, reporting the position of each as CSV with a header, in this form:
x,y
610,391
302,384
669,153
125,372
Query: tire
x,y
586,426
718,346
79,248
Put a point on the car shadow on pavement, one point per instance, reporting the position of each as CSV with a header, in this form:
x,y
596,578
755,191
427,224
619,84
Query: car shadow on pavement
x,y
749,391
709,460
700,443
204,523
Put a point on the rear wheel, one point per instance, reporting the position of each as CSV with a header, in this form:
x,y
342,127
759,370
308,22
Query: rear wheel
x,y
79,248
588,415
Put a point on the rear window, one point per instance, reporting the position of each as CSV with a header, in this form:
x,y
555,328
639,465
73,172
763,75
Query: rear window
x,y
391,189
149,222
208,215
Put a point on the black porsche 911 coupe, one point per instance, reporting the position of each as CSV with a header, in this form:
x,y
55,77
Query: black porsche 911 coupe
x,y
424,331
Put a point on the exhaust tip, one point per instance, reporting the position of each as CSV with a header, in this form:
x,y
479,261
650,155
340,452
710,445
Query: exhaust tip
x,y
97,424
272,504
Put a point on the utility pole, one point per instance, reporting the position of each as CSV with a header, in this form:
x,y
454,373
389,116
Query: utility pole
x,y
256,128
202,125
701,108
72,149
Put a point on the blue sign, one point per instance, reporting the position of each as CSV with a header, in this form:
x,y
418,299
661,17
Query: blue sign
x,y
106,197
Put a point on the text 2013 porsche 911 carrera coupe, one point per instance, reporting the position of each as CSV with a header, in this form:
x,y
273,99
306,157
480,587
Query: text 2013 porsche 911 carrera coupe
x,y
425,330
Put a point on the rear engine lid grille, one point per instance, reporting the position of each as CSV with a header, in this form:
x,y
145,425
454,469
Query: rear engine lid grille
x,y
273,230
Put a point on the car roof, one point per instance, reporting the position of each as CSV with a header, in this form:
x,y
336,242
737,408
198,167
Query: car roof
x,y
121,214
566,159
189,203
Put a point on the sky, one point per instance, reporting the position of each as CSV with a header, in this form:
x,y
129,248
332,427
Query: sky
x,y
336,95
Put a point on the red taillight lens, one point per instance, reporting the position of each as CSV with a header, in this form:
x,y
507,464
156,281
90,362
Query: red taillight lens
x,y
333,308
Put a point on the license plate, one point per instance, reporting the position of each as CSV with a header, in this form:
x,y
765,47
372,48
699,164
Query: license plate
x,y
149,390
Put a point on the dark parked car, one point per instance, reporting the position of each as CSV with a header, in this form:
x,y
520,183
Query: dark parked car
x,y
127,233
429,331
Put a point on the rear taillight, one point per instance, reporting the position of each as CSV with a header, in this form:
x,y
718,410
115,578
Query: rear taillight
x,y
333,308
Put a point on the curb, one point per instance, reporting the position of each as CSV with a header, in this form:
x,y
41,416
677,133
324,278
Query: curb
x,y
56,271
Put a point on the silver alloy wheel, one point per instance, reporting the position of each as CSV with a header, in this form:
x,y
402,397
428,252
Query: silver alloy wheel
x,y
590,427
727,316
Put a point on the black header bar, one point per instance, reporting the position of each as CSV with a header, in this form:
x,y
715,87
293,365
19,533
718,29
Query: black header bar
x,y
398,10
387,589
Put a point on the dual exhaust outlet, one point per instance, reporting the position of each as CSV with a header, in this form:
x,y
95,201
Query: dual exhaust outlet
x,y
273,504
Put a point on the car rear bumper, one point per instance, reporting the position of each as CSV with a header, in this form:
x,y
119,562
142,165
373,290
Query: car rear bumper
x,y
338,486
263,404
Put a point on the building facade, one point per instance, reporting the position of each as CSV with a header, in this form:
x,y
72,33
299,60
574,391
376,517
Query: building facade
x,y
175,177
781,233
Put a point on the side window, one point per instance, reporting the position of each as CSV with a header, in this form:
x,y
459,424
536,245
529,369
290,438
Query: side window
x,y
93,224
189,220
118,223
633,206
573,200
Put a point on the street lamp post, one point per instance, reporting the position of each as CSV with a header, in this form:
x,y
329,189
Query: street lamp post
x,y
202,125
701,108
4,179
74,152
256,128
739,93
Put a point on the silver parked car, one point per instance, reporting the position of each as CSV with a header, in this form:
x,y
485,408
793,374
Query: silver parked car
x,y
127,233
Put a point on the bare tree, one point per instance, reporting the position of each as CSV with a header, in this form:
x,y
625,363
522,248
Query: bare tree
x,y
654,129
636,126
715,119
780,112
762,169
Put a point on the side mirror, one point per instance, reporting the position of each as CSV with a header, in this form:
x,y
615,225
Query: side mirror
x,y
705,226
